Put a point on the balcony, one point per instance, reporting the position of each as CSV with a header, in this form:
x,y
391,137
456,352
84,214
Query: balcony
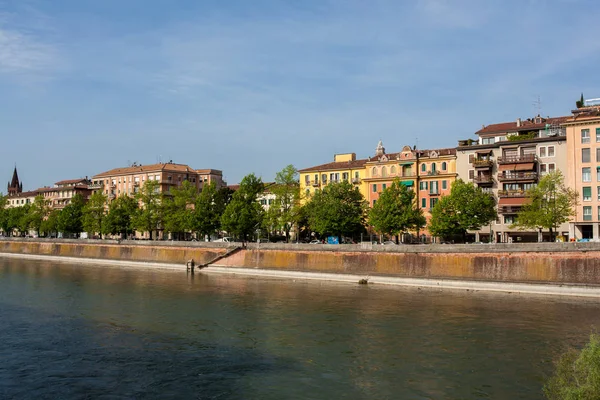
x,y
434,193
482,163
525,158
512,193
432,173
356,181
509,209
314,183
518,176
95,186
111,196
483,179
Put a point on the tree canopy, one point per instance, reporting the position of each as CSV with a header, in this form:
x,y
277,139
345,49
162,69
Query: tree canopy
x,y
94,213
119,219
284,211
467,207
149,216
396,211
243,215
339,209
70,220
178,209
549,205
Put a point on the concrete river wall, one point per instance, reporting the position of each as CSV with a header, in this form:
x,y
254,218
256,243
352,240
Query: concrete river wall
x,y
556,263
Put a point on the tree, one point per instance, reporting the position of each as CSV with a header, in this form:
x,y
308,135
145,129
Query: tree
x,y
467,207
577,374
243,215
38,212
581,102
178,209
4,212
119,219
51,223
70,220
94,213
396,211
339,209
549,205
287,199
206,215
149,216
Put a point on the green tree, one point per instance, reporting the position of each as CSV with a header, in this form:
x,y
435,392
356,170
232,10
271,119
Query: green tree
x,y
178,209
38,212
94,213
243,215
208,208
396,211
339,209
271,221
581,102
51,223
467,207
577,374
287,199
549,205
70,220
4,213
119,219
19,219
149,216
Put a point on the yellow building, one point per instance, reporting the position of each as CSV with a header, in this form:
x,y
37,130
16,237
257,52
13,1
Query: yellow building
x,y
345,167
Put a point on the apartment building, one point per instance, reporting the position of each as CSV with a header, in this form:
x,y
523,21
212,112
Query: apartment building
x,y
344,167
583,157
506,160
61,194
129,180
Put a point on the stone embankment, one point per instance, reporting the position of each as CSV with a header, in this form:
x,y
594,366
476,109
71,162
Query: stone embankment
x,y
541,263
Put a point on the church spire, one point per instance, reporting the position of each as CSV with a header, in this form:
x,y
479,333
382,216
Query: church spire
x,y
380,150
14,186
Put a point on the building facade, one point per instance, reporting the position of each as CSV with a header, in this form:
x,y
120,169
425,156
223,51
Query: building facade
x,y
508,159
583,157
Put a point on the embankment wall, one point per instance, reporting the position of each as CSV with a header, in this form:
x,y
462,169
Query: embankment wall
x,y
557,263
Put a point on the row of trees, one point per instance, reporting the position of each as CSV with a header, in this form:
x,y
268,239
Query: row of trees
x,y
337,210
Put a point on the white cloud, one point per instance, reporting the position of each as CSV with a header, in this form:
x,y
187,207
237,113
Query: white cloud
x,y
20,53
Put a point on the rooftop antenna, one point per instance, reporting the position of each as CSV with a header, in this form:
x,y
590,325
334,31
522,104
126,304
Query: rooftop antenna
x,y
537,104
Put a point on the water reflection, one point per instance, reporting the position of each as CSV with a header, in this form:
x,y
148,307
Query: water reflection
x,y
139,333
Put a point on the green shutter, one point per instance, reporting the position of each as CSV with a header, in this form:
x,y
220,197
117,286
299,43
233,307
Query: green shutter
x,y
423,203
587,192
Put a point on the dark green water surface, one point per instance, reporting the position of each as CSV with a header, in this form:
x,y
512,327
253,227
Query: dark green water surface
x,y
71,331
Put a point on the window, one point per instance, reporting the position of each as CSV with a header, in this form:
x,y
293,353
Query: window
x,y
331,177
433,167
585,136
345,176
383,187
587,213
585,155
509,219
543,169
423,167
471,174
598,189
542,152
444,166
423,185
487,140
307,179
324,178
444,184
271,201
356,175
423,203
384,172
374,172
597,134
432,202
551,167
598,174
550,151
374,188
393,170
587,193
374,201
433,188
586,174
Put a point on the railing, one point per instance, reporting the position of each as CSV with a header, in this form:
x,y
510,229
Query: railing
x,y
483,179
111,196
517,159
512,193
509,209
355,180
518,176
433,173
481,163
94,186
435,193
314,183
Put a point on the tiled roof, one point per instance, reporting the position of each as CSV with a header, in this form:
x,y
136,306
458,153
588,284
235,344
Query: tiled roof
x,y
526,125
71,181
168,167
440,152
337,165
31,193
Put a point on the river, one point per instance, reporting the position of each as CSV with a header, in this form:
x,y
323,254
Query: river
x,y
85,331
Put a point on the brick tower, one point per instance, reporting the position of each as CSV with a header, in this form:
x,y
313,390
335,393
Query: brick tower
x,y
14,186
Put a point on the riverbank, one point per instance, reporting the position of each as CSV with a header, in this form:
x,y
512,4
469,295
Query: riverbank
x,y
547,268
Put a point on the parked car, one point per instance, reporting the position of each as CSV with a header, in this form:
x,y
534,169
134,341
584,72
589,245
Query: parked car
x,y
315,241
224,240
389,243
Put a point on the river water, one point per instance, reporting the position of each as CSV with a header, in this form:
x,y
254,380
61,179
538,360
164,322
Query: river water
x,y
84,331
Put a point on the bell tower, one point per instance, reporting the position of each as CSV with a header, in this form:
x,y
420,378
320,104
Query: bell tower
x,y
14,186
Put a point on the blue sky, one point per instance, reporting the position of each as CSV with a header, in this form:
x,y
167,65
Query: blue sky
x,y
251,86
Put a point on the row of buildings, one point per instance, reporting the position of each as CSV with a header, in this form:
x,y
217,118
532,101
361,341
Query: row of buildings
x,y
506,159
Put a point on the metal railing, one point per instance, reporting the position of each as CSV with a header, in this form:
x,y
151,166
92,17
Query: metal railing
x,y
517,176
523,158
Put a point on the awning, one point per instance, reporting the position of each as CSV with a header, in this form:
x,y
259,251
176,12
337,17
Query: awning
x,y
406,163
512,201
525,167
407,183
483,151
517,167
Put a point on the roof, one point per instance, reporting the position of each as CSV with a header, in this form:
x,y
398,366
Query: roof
x,y
146,168
526,125
31,193
337,165
440,152
209,171
71,181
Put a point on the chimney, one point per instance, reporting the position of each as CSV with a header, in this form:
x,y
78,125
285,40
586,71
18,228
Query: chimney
x,y
518,122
